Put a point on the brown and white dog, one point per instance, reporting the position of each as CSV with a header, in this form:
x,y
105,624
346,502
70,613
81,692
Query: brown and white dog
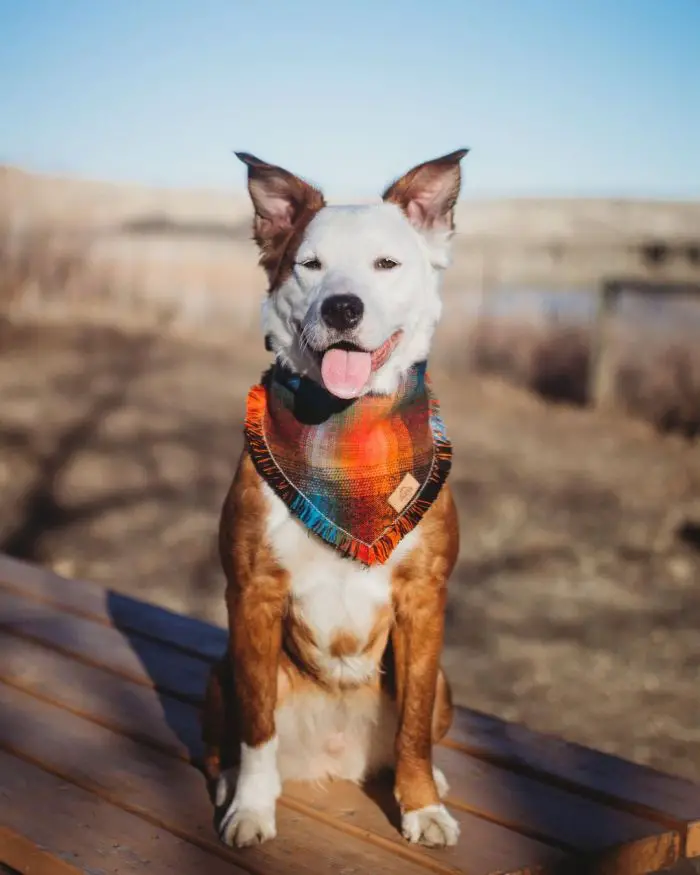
x,y
333,668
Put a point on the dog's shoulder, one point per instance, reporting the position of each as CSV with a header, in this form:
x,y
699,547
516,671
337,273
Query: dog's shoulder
x,y
244,543
434,554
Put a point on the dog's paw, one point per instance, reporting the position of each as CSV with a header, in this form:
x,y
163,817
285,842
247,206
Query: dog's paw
x,y
432,826
242,827
441,783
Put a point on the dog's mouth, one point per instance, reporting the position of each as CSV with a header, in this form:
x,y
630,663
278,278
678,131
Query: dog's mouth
x,y
346,367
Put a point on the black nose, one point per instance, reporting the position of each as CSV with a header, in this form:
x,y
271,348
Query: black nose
x,y
342,311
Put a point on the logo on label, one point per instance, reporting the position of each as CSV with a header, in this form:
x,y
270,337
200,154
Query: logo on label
x,y
404,492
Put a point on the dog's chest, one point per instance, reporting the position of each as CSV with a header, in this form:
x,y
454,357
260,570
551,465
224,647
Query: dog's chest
x,y
336,602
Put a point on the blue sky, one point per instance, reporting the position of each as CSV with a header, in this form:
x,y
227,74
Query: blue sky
x,y
585,97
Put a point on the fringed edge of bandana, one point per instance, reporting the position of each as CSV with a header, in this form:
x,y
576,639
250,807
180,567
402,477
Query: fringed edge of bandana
x,y
369,554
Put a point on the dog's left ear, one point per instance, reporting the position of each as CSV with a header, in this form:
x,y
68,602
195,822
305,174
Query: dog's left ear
x,y
428,193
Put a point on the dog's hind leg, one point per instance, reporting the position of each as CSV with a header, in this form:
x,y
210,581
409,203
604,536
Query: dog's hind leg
x,y
219,726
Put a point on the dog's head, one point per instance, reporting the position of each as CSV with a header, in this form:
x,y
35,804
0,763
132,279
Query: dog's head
x,y
353,290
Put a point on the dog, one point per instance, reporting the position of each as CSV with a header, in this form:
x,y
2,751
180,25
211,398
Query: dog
x,y
332,668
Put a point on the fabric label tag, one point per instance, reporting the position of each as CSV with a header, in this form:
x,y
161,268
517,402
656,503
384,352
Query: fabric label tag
x,y
404,492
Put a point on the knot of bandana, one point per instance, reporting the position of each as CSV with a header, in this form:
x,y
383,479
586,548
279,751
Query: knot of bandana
x,y
360,474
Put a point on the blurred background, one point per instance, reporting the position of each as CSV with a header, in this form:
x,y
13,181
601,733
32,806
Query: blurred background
x,y
568,361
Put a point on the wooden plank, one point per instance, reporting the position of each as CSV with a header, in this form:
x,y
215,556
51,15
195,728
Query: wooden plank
x,y
669,799
373,810
638,858
692,846
90,835
138,659
520,803
145,713
541,810
92,601
20,856
131,709
171,795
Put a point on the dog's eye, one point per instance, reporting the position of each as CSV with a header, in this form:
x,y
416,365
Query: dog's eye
x,y
311,264
385,264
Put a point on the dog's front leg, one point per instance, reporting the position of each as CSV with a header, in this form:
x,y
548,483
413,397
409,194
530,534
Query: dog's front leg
x,y
417,641
255,612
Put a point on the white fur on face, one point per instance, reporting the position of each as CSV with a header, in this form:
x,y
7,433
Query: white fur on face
x,y
348,241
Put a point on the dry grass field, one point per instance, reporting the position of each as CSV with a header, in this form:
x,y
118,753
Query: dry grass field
x,y
575,606
655,380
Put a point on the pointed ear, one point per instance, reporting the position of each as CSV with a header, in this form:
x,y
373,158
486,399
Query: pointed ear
x,y
428,193
280,200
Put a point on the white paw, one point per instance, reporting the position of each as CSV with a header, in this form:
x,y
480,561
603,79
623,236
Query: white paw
x,y
432,826
249,818
243,827
441,784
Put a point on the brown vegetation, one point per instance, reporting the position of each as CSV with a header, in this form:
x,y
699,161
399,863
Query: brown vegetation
x,y
574,603
661,385
35,262
665,389
552,359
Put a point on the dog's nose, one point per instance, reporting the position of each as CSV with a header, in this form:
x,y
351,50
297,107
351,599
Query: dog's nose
x,y
342,311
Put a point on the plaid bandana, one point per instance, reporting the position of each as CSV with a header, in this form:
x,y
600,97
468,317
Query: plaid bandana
x,y
360,474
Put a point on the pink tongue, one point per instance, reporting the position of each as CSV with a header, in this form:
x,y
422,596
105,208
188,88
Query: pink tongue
x,y
345,373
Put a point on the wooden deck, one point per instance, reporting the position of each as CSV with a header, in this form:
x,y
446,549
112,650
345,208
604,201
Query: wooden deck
x,y
99,728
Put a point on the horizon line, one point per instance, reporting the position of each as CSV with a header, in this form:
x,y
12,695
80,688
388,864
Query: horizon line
x,y
240,192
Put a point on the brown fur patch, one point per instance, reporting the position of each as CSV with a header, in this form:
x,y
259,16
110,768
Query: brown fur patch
x,y
379,633
300,643
423,177
280,257
278,235
344,644
256,597
443,710
420,593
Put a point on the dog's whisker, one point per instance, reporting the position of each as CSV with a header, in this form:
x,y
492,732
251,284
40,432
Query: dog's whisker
x,y
307,336
304,339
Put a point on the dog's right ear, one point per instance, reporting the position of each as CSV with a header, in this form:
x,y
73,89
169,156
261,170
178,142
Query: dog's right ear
x,y
428,193
280,200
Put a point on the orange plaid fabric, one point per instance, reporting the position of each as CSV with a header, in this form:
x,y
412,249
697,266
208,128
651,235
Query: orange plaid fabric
x,y
360,474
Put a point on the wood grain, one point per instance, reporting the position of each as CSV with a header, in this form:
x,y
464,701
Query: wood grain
x,y
522,804
94,836
121,709
672,800
692,846
146,718
170,794
138,659
88,600
20,854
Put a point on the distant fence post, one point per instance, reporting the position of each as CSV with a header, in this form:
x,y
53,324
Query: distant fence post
x,y
601,370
